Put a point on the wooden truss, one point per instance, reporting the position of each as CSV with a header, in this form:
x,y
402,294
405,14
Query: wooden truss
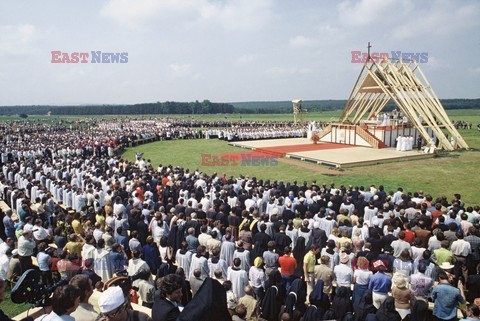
x,y
404,83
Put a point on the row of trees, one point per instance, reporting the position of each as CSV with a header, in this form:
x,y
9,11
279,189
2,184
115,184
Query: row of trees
x,y
205,107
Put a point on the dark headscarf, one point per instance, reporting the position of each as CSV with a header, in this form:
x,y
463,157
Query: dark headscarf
x,y
387,311
419,311
364,306
290,302
299,287
210,303
319,299
256,252
298,253
342,303
310,314
270,304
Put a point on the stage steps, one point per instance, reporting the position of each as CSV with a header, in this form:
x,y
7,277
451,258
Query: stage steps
x,y
370,138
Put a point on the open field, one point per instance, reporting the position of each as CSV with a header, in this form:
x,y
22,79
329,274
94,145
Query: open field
x,y
455,172
323,116
471,115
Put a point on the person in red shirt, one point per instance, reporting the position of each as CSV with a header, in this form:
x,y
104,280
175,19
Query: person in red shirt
x,y
436,213
409,235
287,264
139,192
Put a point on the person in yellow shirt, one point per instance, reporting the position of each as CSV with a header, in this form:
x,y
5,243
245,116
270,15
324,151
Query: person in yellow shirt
x,y
77,225
309,267
443,254
100,218
75,245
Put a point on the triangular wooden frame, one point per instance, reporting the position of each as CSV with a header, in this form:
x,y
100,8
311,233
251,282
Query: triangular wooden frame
x,y
404,82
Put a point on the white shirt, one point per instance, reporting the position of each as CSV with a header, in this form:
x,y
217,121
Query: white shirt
x,y
362,277
25,246
4,261
461,247
343,275
40,233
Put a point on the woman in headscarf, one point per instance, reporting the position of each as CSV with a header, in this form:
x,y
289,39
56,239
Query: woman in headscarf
x,y
275,280
319,300
403,297
341,303
298,253
299,287
387,311
270,305
257,278
311,314
361,278
419,311
257,251
364,306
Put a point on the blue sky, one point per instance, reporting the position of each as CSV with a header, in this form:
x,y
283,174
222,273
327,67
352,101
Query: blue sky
x,y
242,50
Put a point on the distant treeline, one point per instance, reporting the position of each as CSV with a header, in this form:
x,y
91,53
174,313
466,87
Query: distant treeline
x,y
280,107
206,107
169,107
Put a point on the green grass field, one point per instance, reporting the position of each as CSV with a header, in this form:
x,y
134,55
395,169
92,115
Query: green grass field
x,y
11,309
454,172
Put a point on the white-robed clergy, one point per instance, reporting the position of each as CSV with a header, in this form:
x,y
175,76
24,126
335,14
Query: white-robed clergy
x,y
403,146
199,261
410,143
215,263
238,277
102,263
184,260
243,255
135,265
226,251
399,143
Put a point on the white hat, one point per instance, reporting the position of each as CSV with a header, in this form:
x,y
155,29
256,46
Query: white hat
x,y
111,299
302,199
330,204
275,211
15,252
446,266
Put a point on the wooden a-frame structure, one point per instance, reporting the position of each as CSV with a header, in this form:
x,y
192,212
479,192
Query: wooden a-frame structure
x,y
404,82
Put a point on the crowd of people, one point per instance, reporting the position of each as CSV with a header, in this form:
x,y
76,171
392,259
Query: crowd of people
x,y
266,132
219,247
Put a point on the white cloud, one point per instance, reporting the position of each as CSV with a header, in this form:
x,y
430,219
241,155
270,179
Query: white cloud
x,y
301,42
370,12
136,13
277,71
238,14
17,39
245,59
229,14
180,70
438,20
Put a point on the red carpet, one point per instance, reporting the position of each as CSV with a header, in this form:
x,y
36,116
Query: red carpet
x,y
282,150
